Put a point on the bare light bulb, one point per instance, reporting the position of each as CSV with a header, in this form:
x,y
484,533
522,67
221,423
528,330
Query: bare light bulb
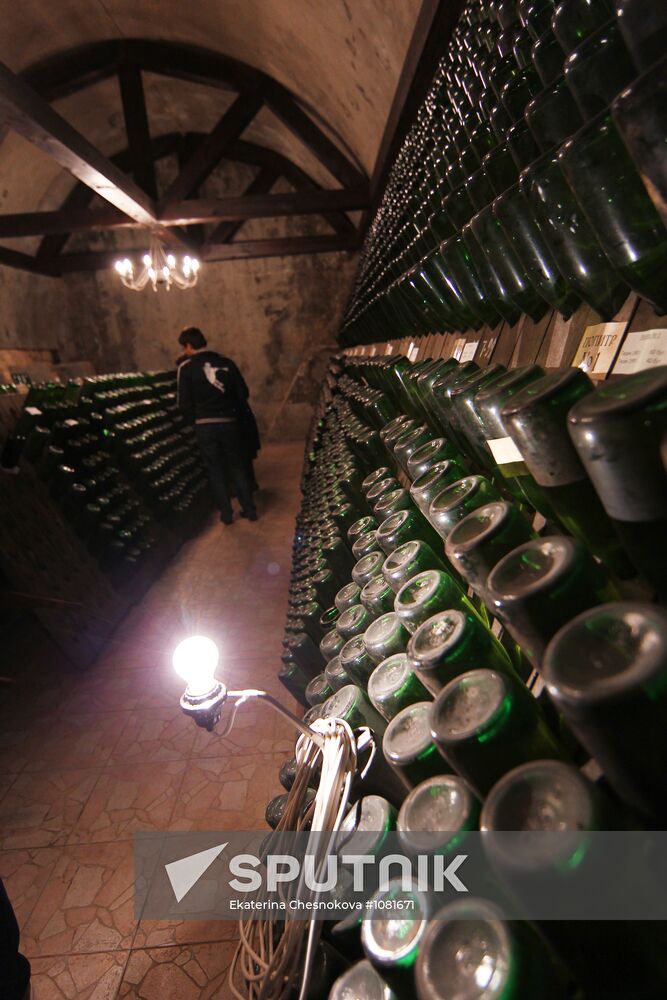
x,y
195,660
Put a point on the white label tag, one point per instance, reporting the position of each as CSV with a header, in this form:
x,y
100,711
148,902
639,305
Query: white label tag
x,y
504,451
413,351
642,349
597,348
468,352
389,349
459,346
71,423
33,411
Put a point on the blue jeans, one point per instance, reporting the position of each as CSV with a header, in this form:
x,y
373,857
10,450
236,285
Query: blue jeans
x,y
221,450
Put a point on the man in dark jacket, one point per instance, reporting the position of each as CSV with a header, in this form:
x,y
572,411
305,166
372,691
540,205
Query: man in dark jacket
x,y
212,394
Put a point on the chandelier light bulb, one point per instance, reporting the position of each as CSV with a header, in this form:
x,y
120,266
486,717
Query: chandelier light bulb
x,y
195,660
160,270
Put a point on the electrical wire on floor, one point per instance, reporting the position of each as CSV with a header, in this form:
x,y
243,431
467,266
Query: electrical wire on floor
x,y
275,955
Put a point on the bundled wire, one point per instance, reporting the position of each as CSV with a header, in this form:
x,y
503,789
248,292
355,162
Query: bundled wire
x,y
275,954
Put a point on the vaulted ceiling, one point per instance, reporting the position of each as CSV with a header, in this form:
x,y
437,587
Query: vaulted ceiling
x,y
340,59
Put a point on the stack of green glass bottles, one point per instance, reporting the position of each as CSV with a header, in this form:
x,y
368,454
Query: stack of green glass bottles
x,y
479,562
119,462
532,177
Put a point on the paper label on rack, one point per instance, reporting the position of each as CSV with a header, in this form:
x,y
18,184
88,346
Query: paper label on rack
x,y
642,349
413,351
33,411
459,346
468,352
597,348
504,451
71,423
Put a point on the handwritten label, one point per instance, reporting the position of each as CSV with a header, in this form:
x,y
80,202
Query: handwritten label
x,y
597,348
413,351
468,352
459,346
642,349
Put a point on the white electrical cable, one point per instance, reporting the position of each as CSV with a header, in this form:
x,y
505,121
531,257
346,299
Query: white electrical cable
x,y
268,962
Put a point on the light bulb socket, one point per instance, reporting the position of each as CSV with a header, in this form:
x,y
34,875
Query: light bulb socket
x,y
205,708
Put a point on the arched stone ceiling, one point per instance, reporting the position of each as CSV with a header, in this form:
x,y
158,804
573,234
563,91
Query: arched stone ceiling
x,y
342,58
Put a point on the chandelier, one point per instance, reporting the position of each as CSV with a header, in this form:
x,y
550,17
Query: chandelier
x,y
160,269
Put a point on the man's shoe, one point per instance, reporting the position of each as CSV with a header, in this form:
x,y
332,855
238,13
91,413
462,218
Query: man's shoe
x,y
250,515
227,518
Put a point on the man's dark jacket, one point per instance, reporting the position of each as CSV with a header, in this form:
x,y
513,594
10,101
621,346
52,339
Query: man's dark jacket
x,y
211,387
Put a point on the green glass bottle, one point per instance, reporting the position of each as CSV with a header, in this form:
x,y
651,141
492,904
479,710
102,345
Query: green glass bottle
x,y
478,542
536,418
391,502
393,686
469,950
381,473
606,672
407,561
464,420
541,585
644,28
365,544
408,745
318,690
598,69
362,982
550,797
618,432
640,116
392,932
457,500
385,636
547,57
533,252
380,487
427,487
407,443
335,674
427,593
563,224
356,662
575,20
354,621
404,526
434,451
361,527
367,568
378,596
485,723
436,815
451,643
602,175
331,645
352,705
347,596
486,406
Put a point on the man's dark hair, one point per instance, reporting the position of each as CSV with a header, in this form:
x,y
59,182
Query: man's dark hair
x,y
192,337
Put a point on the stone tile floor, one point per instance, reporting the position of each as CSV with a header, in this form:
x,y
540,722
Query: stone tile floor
x,y
87,759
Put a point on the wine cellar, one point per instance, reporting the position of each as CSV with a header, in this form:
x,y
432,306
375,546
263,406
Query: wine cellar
x,y
351,618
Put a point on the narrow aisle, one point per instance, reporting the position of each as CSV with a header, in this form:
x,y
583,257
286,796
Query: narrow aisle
x,y
88,759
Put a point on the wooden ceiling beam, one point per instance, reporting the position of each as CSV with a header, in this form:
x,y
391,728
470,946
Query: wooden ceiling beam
x,y
211,150
243,249
258,188
254,203
24,262
24,111
136,126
